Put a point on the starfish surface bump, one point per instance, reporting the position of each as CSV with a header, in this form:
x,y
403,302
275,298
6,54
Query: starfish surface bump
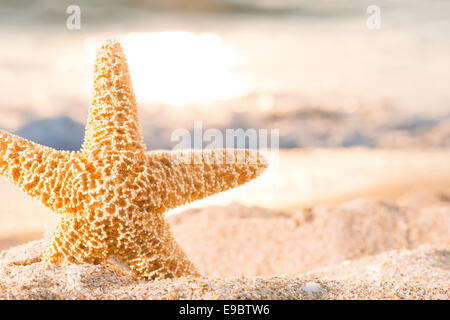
x,y
111,195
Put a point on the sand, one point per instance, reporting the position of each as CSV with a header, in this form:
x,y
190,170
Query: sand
x,y
421,273
363,249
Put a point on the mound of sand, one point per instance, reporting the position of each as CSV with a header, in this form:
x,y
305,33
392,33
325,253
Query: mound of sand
x,y
241,241
364,249
422,273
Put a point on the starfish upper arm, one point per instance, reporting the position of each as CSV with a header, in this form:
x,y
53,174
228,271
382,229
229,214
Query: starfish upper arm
x,y
43,173
192,175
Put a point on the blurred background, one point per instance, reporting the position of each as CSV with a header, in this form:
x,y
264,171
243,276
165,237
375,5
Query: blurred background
x,y
359,111
314,70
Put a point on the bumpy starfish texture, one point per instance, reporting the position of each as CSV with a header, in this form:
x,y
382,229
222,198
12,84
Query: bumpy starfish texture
x,y
111,195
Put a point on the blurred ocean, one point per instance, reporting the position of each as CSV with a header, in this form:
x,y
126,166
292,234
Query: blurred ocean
x,y
309,68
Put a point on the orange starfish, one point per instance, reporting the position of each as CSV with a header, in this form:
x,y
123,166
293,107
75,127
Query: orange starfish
x,y
111,195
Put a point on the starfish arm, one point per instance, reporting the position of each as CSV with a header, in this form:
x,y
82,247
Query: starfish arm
x,y
184,176
41,172
113,118
154,256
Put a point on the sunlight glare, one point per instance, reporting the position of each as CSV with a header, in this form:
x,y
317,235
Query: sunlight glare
x,y
179,68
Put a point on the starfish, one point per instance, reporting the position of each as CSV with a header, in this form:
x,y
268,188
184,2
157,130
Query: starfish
x,y
111,195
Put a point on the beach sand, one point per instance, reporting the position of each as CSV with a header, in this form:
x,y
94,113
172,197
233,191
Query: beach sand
x,y
363,249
